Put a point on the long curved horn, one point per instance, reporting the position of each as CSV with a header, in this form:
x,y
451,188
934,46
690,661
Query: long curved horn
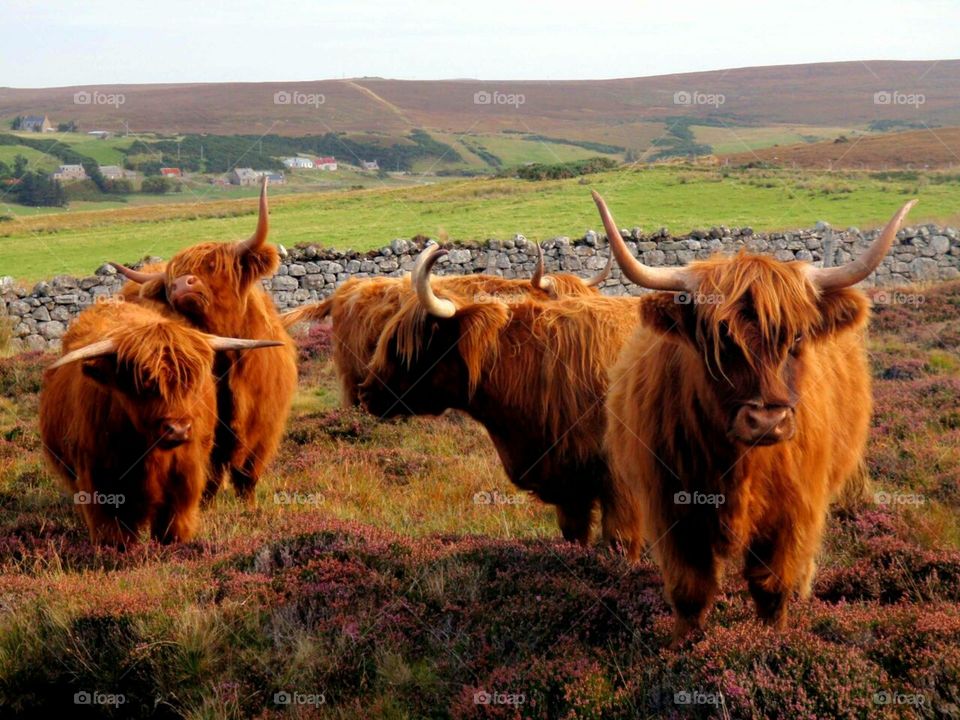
x,y
601,276
97,349
538,280
420,279
216,342
676,279
137,276
859,268
259,236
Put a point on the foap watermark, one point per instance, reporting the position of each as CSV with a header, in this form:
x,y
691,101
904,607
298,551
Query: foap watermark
x,y
895,97
495,497
95,97
285,497
887,697
697,697
698,498
485,697
695,97
286,697
85,697
894,297
102,300
295,97
484,97
898,498
98,498
697,298
505,298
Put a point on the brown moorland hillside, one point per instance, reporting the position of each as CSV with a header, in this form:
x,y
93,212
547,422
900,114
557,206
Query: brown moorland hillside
x,y
934,148
820,94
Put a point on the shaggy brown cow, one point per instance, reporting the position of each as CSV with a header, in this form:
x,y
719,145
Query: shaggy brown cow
x,y
532,372
127,419
736,412
216,287
360,308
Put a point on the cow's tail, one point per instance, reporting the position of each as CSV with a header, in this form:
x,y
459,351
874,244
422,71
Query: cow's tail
x,y
308,313
856,493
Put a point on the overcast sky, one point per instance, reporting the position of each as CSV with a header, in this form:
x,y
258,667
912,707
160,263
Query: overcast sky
x,y
47,43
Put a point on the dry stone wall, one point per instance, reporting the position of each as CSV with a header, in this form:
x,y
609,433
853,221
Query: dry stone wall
x,y
926,253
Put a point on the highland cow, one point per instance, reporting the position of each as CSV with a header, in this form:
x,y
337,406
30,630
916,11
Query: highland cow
x,y
533,372
216,287
736,412
360,308
127,418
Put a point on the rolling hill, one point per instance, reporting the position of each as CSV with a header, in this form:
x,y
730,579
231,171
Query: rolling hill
x,y
933,148
618,111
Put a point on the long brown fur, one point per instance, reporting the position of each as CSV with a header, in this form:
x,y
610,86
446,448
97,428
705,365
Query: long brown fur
x,y
533,373
360,308
754,320
255,389
99,422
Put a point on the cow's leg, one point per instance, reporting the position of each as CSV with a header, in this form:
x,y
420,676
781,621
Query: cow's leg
x,y
245,479
575,519
214,480
621,518
691,576
770,571
175,525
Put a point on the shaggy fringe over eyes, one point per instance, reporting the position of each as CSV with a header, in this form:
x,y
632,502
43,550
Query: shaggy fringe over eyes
x,y
164,358
761,304
479,325
219,259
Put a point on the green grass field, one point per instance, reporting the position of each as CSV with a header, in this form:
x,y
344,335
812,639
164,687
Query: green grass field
x,y
734,139
678,197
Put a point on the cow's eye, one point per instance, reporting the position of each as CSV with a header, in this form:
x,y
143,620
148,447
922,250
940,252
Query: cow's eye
x,y
797,342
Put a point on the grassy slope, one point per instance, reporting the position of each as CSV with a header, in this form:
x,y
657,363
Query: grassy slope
x,y
677,197
734,139
389,590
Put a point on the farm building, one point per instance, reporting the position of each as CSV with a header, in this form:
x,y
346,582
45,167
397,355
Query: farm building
x,y
115,172
369,164
171,172
100,134
36,123
300,163
244,176
70,172
326,163
274,178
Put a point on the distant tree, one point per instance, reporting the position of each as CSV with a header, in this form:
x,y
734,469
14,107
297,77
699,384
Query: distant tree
x,y
149,168
67,126
92,169
119,187
4,170
19,165
37,189
16,124
155,185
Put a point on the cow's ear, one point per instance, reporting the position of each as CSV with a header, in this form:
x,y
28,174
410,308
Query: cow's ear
x,y
479,327
669,314
841,310
260,262
154,290
102,370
